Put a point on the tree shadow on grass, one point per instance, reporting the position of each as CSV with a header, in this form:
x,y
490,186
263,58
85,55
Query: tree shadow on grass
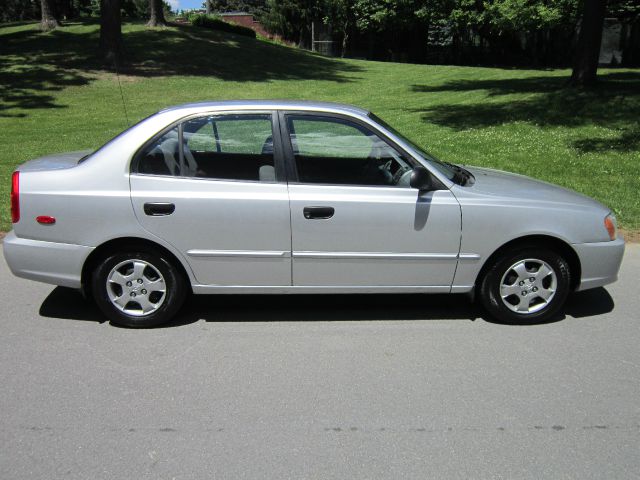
x,y
26,85
546,101
192,51
34,65
627,141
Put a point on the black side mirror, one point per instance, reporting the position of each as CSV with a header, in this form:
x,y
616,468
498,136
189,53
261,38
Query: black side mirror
x,y
421,179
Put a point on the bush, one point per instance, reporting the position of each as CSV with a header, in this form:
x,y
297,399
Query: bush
x,y
216,23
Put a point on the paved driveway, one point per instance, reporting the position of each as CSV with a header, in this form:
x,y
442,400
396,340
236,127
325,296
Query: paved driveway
x,y
320,387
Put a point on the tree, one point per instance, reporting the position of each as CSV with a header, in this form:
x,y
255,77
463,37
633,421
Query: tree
x,y
49,20
340,15
403,24
13,10
156,18
292,18
255,7
585,65
110,32
628,12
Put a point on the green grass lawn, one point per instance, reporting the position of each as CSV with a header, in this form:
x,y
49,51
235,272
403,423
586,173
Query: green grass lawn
x,y
54,97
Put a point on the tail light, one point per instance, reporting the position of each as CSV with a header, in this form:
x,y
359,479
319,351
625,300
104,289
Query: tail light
x,y
15,197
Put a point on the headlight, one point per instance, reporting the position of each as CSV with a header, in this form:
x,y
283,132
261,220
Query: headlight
x,y
610,225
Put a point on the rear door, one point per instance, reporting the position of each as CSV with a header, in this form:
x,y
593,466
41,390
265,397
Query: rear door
x,y
355,220
212,186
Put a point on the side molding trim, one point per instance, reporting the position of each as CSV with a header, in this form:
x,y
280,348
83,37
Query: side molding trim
x,y
240,253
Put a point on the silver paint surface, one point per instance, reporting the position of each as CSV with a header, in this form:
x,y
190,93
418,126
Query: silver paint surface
x,y
243,237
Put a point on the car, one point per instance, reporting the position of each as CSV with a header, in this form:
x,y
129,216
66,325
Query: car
x,y
283,197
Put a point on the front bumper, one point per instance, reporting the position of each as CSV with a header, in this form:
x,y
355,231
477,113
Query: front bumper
x,y
48,262
600,262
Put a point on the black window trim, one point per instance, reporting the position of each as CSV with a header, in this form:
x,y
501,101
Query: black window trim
x,y
278,154
289,156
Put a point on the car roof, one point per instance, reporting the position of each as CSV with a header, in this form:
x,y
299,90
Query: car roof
x,y
272,104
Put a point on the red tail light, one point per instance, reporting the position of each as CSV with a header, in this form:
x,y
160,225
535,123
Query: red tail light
x,y
15,197
45,220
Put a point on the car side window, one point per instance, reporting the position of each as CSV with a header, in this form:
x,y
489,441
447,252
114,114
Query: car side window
x,y
161,157
201,135
224,147
333,150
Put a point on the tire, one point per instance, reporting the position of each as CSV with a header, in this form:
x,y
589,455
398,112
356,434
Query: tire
x,y
525,286
138,289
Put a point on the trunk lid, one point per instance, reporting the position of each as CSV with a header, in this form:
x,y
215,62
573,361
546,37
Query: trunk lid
x,y
57,161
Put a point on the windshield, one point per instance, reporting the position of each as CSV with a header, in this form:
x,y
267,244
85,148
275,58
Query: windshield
x,y
442,167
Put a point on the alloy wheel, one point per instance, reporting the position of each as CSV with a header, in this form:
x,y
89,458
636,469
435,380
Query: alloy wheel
x,y
528,286
136,287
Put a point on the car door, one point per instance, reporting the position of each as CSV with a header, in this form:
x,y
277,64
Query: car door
x,y
355,220
212,186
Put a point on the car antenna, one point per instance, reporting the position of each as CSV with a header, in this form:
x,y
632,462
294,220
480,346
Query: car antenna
x,y
124,105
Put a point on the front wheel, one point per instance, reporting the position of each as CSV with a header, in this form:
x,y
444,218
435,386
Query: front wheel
x,y
138,289
526,285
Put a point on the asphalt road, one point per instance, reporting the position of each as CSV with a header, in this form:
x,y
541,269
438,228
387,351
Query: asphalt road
x,y
344,387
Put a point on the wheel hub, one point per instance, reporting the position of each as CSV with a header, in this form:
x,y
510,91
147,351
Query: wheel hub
x,y
136,287
528,286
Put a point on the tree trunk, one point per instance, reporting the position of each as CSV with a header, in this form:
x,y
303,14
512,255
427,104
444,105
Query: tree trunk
x,y
49,21
631,45
585,65
456,48
208,3
156,18
110,32
345,41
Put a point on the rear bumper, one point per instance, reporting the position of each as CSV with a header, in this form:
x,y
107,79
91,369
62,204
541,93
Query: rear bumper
x,y
600,262
48,262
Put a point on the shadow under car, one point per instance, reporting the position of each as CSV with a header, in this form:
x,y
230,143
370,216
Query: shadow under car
x,y
69,304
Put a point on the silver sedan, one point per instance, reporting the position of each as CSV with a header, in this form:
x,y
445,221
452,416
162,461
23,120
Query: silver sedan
x,y
297,197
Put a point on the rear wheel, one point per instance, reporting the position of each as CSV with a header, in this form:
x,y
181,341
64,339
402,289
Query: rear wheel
x,y
138,289
526,285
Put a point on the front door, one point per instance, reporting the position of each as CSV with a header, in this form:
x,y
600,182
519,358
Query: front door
x,y
211,186
355,220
